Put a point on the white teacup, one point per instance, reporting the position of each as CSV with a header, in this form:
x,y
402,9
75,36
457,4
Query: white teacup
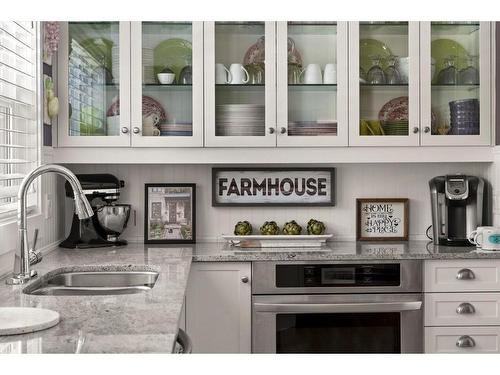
x,y
239,74
472,235
330,74
222,74
313,75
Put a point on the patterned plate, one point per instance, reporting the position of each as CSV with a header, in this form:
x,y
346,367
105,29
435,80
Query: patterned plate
x,y
396,110
149,106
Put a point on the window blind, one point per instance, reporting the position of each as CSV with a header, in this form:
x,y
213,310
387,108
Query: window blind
x,y
18,111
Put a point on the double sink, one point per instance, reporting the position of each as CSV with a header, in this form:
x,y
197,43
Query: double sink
x,y
93,282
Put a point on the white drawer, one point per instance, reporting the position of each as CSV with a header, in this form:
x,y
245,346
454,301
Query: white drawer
x,y
472,339
462,309
468,275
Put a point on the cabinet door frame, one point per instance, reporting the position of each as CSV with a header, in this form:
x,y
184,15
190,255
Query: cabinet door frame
x,y
412,139
485,75
138,140
121,140
283,139
269,139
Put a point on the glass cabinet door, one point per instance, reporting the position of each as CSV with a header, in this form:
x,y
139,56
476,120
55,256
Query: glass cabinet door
x,y
94,80
456,77
240,92
167,84
384,84
312,83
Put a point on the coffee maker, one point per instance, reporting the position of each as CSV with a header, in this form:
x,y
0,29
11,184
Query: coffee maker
x,y
109,220
458,207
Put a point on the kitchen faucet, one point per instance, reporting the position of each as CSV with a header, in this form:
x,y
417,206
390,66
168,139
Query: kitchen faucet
x,y
24,255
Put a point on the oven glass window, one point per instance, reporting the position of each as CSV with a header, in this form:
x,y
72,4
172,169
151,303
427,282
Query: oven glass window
x,y
338,333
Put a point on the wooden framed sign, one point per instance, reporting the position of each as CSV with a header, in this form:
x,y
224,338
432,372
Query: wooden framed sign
x,y
273,187
382,219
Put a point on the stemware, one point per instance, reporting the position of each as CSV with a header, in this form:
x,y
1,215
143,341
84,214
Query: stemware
x,y
392,75
469,75
376,75
449,75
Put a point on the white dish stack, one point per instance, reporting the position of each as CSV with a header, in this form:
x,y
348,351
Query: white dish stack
x,y
239,120
148,76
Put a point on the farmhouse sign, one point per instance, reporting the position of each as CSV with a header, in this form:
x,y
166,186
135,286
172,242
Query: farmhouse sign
x,y
273,186
382,219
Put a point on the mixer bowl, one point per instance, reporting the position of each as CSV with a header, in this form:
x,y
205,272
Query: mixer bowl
x,y
113,218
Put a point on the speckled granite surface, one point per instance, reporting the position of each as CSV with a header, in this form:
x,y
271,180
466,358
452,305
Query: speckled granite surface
x,y
148,322
340,251
135,323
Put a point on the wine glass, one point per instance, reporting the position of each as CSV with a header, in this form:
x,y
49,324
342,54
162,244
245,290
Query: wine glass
x,y
392,75
449,75
376,75
470,74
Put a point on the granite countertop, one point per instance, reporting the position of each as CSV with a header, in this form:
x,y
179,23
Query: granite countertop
x,y
342,250
146,322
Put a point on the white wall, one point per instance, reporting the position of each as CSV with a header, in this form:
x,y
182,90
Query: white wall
x,y
353,181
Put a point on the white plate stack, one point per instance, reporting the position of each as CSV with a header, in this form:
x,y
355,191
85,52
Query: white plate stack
x,y
115,63
148,75
240,120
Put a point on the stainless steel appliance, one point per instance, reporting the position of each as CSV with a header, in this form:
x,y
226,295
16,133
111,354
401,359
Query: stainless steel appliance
x,y
337,307
110,218
458,207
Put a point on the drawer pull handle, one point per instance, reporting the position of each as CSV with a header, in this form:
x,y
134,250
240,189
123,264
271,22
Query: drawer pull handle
x,y
465,308
465,274
465,342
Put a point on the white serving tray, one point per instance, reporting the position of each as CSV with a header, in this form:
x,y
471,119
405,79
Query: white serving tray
x,y
280,240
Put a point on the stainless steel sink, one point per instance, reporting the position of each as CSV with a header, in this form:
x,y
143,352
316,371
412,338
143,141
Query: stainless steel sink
x,y
93,283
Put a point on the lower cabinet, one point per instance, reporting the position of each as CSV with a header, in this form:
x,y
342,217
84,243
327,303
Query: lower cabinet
x,y
462,306
218,307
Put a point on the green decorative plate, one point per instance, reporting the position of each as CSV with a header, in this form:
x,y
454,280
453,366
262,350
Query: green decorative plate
x,y
100,49
444,48
174,54
372,47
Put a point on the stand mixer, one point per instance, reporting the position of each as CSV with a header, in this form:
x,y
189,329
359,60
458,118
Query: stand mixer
x,y
109,220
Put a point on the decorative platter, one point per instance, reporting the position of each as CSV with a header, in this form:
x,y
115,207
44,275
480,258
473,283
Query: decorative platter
x,y
396,110
255,241
174,54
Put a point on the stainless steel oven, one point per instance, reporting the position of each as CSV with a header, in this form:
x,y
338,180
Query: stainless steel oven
x,y
337,307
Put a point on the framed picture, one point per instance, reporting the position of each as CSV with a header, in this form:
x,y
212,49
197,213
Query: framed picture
x,y
240,187
170,213
382,219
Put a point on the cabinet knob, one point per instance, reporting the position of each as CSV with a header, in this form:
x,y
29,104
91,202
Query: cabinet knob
x,y
124,130
415,130
271,130
245,279
465,341
283,130
465,274
136,130
427,129
465,308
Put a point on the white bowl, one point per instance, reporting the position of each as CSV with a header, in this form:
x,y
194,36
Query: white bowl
x,y
166,78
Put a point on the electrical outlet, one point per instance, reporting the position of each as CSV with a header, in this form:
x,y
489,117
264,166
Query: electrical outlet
x,y
48,206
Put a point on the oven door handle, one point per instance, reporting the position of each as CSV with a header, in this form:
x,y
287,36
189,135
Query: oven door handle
x,y
337,307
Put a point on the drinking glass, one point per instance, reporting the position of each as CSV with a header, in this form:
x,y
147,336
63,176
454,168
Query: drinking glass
x,y
392,75
376,75
470,74
449,75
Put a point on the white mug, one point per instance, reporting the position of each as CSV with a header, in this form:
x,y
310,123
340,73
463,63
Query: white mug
x,y
330,74
312,74
488,239
239,74
222,74
472,235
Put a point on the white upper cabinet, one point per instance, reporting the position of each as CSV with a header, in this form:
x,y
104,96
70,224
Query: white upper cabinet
x,y
240,84
384,84
312,84
94,84
167,84
456,74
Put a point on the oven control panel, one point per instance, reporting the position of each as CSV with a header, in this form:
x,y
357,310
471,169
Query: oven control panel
x,y
331,275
